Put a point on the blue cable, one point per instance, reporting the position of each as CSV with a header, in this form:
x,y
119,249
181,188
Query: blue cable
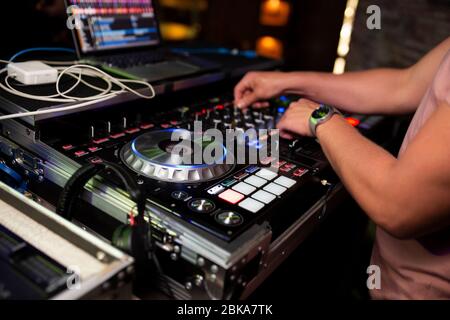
x,y
41,49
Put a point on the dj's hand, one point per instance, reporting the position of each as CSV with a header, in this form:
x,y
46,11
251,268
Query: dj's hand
x,y
296,119
258,86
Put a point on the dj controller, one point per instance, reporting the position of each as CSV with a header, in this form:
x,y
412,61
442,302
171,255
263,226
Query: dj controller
x,y
220,226
223,198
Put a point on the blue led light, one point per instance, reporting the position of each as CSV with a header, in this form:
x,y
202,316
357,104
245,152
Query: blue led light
x,y
284,98
281,110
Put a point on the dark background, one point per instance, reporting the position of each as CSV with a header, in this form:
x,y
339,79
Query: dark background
x,y
332,263
409,29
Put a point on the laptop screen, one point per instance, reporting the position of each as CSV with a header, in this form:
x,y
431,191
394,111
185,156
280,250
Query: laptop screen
x,y
113,24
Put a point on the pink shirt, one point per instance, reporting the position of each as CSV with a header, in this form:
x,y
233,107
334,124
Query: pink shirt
x,y
420,268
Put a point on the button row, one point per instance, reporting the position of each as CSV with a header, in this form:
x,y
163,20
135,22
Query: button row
x,y
256,199
98,142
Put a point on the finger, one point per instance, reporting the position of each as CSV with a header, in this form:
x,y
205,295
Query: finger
x,y
243,86
249,98
281,125
286,135
285,131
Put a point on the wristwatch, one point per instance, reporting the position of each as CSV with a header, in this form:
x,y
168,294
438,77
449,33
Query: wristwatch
x,y
321,115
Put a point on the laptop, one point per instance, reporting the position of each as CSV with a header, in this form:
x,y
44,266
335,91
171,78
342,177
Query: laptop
x,y
123,37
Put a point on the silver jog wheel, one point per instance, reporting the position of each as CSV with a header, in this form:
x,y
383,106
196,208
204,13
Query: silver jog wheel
x,y
172,155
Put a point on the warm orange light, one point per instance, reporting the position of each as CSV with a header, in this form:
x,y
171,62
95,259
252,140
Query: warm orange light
x,y
269,47
275,13
273,6
176,31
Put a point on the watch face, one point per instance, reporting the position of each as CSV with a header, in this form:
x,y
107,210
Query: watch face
x,y
321,112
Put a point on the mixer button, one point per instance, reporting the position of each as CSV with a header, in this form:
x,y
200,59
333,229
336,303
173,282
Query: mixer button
x,y
216,189
179,195
132,130
266,174
117,135
95,160
67,147
251,205
256,181
229,182
231,196
252,169
264,196
285,182
244,188
202,205
100,141
299,172
229,218
146,126
94,149
288,167
241,175
276,189
80,153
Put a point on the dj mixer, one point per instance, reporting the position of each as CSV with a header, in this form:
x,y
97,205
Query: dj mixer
x,y
223,198
220,226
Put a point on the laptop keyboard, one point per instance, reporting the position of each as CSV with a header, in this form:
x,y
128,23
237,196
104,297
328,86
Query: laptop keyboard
x,y
130,60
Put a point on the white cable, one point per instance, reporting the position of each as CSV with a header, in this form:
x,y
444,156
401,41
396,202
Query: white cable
x,y
75,71
86,83
91,71
102,74
79,68
60,109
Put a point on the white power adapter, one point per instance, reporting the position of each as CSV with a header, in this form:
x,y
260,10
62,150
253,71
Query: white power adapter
x,y
32,72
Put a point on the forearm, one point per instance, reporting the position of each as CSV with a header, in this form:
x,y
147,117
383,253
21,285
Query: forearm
x,y
363,167
379,91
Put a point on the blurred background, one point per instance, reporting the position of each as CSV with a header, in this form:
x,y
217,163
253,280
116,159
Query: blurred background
x,y
319,35
308,34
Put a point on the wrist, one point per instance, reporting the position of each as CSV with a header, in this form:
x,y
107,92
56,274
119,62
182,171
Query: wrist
x,y
320,116
335,122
